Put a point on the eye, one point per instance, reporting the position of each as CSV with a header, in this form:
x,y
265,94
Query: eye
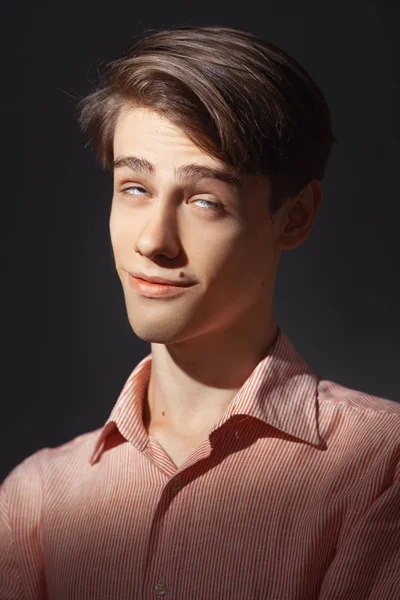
x,y
133,187
215,205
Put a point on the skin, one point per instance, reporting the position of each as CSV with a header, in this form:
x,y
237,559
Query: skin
x,y
207,341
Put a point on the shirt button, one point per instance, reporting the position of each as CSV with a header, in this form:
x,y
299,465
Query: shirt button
x,y
160,589
176,486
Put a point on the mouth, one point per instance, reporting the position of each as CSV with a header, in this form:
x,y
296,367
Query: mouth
x,y
159,280
152,289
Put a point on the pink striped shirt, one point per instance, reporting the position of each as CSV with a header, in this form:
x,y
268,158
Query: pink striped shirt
x,y
294,495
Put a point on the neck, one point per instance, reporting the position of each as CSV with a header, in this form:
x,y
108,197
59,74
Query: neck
x,y
192,383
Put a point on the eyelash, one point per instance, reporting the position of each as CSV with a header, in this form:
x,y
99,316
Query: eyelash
x,y
216,205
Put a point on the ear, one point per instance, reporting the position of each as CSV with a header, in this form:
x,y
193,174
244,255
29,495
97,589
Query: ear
x,y
298,216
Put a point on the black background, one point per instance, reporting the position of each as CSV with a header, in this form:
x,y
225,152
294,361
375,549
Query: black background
x,y
68,345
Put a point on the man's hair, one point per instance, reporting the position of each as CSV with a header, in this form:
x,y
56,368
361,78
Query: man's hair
x,y
236,96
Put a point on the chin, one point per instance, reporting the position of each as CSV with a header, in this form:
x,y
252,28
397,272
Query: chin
x,y
161,333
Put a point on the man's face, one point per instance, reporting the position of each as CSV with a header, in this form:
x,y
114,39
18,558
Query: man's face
x,y
196,228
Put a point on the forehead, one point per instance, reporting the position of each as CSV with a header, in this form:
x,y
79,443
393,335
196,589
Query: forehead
x,y
142,119
145,130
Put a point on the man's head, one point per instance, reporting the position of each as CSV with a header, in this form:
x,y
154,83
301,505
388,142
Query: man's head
x,y
222,99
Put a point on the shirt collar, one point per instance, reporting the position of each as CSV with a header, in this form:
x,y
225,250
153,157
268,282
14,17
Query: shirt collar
x,y
281,391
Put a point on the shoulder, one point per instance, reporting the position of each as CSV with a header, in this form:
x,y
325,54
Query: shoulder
x,y
348,399
358,420
49,462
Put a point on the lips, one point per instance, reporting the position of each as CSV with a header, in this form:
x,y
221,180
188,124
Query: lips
x,y
159,280
151,289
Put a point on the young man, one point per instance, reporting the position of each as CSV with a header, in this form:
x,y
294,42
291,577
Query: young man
x,y
227,468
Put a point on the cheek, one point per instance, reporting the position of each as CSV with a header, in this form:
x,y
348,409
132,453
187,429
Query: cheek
x,y
247,262
122,231
221,261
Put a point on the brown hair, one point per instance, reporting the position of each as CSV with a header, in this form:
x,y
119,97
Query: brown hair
x,y
238,97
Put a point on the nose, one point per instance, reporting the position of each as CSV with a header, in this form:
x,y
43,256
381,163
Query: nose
x,y
160,234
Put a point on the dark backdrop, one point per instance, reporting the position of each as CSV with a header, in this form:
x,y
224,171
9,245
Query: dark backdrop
x,y
68,345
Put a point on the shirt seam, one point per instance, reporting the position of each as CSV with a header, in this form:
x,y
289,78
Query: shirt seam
x,y
362,408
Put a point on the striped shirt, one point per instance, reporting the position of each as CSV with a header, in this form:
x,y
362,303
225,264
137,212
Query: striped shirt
x,y
295,494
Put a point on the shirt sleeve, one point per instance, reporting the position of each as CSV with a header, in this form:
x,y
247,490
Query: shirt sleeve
x,y
21,553
367,562
10,576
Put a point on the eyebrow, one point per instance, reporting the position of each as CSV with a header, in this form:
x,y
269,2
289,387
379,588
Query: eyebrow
x,y
184,172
